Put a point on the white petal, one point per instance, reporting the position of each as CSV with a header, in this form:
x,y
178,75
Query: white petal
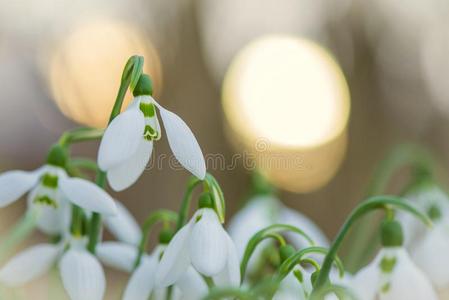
x,y
87,195
121,138
431,253
192,285
365,283
408,282
123,225
13,184
117,255
82,275
183,143
208,244
230,275
175,259
29,264
49,219
141,283
123,175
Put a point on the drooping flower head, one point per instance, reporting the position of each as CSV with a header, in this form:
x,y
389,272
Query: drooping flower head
x,y
127,144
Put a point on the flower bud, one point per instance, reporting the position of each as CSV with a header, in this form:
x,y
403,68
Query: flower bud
x,y
286,251
57,156
205,201
165,236
391,233
144,86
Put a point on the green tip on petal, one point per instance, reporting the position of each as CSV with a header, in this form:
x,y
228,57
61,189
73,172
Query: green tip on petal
x,y
57,156
144,86
391,233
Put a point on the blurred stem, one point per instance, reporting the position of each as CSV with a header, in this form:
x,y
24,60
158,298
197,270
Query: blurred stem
x,y
229,293
130,75
161,215
18,233
84,163
373,203
81,134
363,243
185,204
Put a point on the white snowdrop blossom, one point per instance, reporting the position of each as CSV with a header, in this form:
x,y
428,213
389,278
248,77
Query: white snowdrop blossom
x,y
141,286
392,275
124,226
203,244
81,273
51,191
430,254
127,143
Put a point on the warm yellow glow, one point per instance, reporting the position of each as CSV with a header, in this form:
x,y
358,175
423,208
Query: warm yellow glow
x,y
290,94
86,67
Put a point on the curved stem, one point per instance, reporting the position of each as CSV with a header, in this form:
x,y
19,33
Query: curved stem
x,y
83,163
185,204
155,217
288,265
80,135
133,69
401,156
268,232
370,204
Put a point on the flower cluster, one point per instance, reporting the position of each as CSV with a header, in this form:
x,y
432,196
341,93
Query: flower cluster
x,y
267,251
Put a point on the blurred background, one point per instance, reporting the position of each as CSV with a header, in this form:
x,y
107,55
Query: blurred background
x,y
323,88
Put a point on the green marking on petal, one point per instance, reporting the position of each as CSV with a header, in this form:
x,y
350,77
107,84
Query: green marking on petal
x,y
387,264
147,109
50,181
385,288
299,276
150,134
198,218
45,200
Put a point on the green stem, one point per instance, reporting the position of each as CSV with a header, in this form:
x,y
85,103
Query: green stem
x,y
288,265
268,232
18,233
80,135
401,156
185,204
155,217
131,74
83,163
232,293
373,203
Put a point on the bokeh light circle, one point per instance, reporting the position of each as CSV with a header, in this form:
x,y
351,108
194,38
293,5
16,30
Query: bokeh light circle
x,y
290,93
86,67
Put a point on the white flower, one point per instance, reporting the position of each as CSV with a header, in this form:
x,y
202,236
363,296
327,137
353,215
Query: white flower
x,y
263,211
204,244
429,199
50,193
81,273
430,254
127,143
190,286
392,276
124,226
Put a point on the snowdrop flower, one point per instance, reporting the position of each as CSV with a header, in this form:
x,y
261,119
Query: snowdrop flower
x,y
81,273
124,226
430,199
141,286
203,244
51,191
392,274
127,143
430,254
263,211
